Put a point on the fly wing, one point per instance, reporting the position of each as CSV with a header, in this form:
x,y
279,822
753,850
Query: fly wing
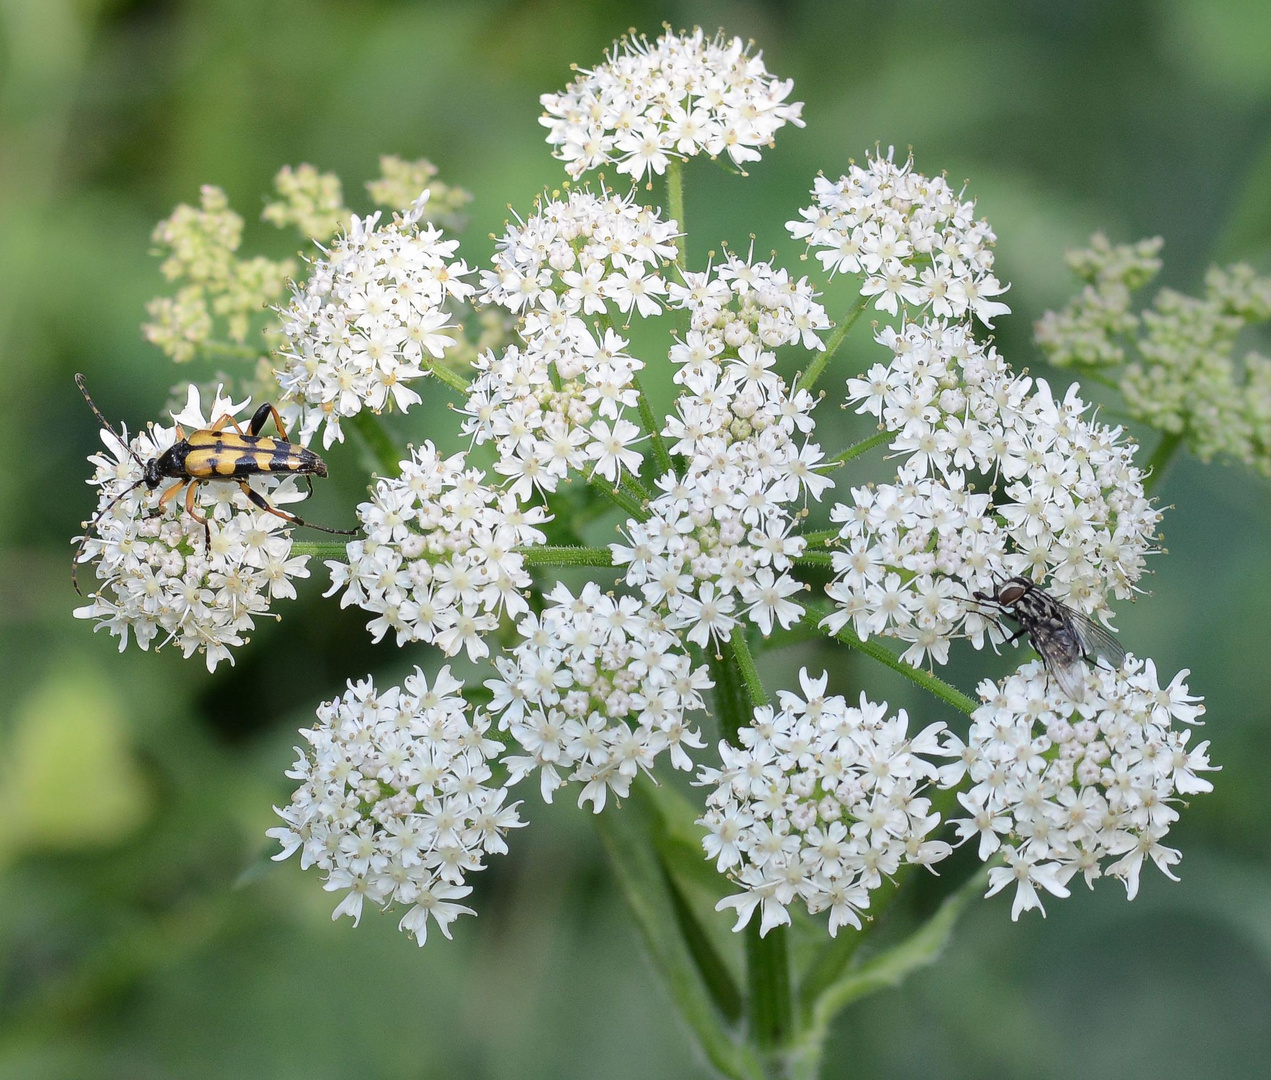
x,y
1071,678
1097,640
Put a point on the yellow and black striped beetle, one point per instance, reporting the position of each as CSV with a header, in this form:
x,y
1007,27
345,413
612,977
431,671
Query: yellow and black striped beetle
x,y
213,453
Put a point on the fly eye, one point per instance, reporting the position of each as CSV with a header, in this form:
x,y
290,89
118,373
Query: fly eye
x,y
1011,594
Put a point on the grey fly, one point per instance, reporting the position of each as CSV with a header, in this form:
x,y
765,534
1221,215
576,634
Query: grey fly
x,y
1063,638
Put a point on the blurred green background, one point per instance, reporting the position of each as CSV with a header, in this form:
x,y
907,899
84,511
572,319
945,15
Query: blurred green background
x,y
142,932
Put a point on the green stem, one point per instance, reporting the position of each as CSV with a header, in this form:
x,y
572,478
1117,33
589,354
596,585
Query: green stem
x,y
549,555
661,459
820,537
875,649
451,378
630,483
859,448
815,558
370,429
814,369
624,501
1160,459
675,206
933,684
770,1002
740,651
320,549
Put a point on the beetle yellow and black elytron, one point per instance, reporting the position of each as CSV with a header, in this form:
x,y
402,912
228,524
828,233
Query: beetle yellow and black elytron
x,y
213,453
1063,637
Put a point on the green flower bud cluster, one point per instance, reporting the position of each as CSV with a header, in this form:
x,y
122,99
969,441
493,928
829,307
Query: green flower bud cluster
x,y
311,201
401,182
220,295
223,302
1178,359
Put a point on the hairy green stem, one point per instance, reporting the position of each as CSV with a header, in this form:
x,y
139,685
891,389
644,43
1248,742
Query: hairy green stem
x,y
769,997
815,558
451,378
933,684
1160,459
561,555
375,437
661,459
740,651
859,448
675,206
621,499
320,549
770,1002
813,371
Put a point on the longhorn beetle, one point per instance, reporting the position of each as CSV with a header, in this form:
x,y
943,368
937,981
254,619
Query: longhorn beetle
x,y
1062,636
213,453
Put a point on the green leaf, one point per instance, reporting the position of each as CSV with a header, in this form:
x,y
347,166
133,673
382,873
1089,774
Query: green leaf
x,y
630,841
888,968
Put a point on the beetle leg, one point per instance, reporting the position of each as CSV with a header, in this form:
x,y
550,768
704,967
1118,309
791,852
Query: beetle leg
x,y
200,518
258,500
169,495
262,414
224,419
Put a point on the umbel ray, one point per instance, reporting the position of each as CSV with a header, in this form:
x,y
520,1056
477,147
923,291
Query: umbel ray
x,y
214,453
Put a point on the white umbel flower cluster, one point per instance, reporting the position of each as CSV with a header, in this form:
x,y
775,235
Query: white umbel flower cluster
x,y
438,563
158,576
820,803
370,320
557,402
683,95
396,802
1063,788
576,257
911,237
721,534
1060,500
596,690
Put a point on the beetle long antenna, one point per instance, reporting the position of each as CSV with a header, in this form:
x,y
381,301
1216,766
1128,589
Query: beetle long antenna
x,y
88,531
79,381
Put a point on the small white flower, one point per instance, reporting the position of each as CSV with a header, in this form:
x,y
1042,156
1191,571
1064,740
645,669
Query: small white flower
x,y
680,96
370,320
820,803
595,691
1062,788
396,802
